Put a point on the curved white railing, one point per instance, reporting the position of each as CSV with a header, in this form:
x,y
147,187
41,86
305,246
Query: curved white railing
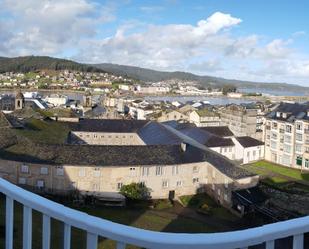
x,y
124,235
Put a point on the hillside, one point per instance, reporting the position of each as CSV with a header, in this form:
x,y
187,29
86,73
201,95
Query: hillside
x,y
144,74
33,63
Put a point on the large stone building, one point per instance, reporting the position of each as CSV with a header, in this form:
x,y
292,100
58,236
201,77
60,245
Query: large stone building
x,y
204,117
287,135
241,120
168,170
120,132
155,157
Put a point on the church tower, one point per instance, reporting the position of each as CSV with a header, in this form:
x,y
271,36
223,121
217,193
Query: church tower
x,y
87,99
19,101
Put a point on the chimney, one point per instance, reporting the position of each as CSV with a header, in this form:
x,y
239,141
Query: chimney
x,y
183,146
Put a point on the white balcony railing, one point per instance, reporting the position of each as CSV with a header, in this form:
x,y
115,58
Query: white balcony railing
x,y
124,235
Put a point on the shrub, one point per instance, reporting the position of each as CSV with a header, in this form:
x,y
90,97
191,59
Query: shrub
x,y
135,191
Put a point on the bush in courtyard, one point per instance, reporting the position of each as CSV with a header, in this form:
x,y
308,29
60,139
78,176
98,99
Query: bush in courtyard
x,y
135,191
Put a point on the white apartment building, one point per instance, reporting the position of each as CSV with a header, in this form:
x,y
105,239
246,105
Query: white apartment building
x,y
287,135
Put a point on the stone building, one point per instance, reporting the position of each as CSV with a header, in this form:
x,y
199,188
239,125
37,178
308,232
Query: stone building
x,y
241,120
204,117
19,101
120,132
168,170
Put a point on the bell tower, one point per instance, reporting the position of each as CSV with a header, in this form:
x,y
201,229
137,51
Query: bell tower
x,y
19,101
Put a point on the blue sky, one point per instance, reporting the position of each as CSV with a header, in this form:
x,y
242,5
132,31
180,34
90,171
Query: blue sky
x,y
241,39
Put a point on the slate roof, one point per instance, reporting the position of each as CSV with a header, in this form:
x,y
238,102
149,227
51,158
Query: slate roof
x,y
221,131
247,141
108,125
206,138
105,155
94,155
155,133
294,111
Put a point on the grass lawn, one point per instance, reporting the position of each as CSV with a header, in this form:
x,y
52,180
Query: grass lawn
x,y
215,210
150,219
49,132
293,173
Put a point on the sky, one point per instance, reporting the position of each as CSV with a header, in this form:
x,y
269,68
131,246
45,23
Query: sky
x,y
256,40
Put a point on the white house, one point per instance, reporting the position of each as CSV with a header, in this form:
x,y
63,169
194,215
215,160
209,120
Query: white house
x,y
248,149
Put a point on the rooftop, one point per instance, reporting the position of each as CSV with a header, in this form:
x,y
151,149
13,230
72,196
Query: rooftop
x,y
221,131
108,125
247,141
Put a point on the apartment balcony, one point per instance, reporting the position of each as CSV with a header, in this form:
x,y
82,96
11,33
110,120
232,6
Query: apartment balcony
x,y
306,131
125,235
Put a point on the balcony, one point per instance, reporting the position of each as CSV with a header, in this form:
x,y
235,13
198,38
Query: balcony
x,y
124,235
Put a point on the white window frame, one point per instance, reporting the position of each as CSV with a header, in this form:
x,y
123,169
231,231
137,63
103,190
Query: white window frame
x,y
24,169
59,171
44,171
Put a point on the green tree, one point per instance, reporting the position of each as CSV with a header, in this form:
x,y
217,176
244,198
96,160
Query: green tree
x,y
135,191
228,89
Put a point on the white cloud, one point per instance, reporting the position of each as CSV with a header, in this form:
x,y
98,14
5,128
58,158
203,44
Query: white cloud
x,y
210,46
49,27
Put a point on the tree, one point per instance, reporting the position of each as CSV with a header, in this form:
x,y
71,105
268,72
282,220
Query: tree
x,y
228,89
135,191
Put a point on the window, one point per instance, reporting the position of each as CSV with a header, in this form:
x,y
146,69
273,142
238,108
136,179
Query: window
x,y
274,125
82,172
298,148
248,154
273,145
299,126
164,184
219,192
97,172
175,170
132,171
59,171
159,171
274,135
286,160
230,149
195,169
195,180
287,148
40,184
179,183
145,171
142,183
254,153
288,128
306,163
44,171
21,180
287,139
225,197
299,137
25,168
213,173
119,185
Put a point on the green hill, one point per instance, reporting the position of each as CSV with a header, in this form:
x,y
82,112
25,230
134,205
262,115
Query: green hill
x,y
32,63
